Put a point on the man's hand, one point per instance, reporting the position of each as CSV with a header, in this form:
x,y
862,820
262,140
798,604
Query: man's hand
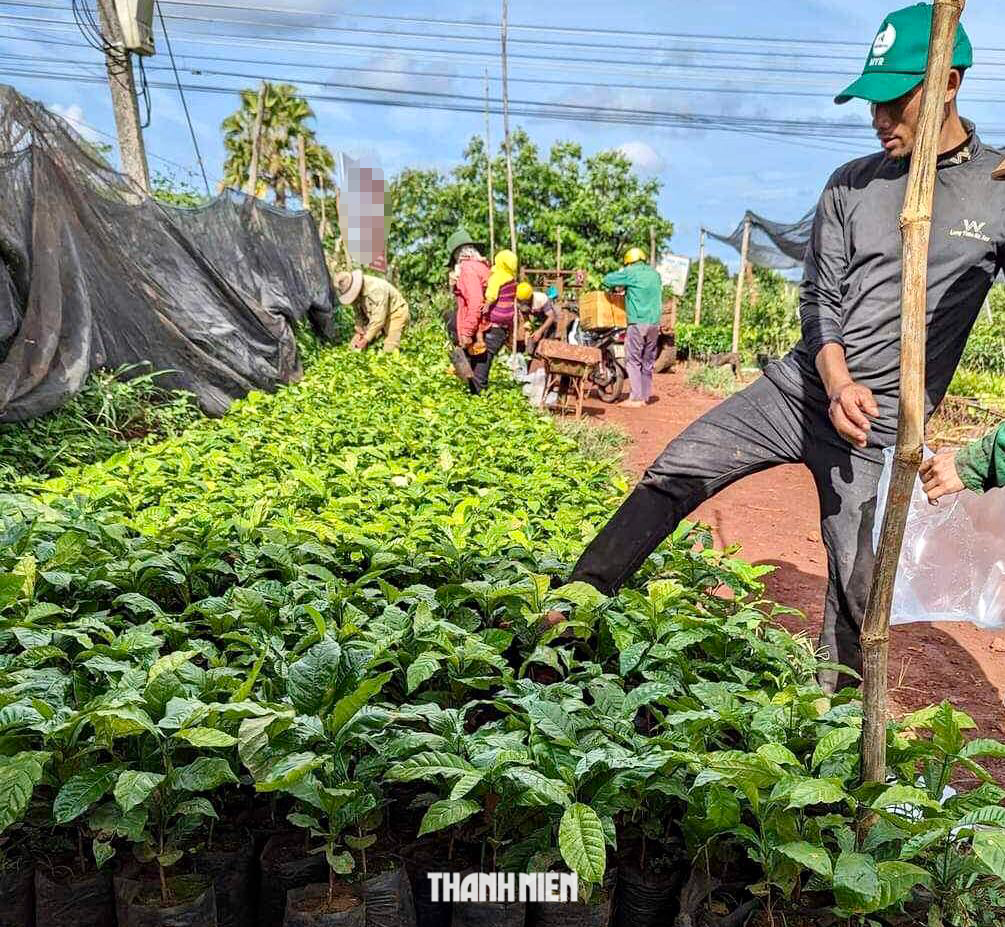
x,y
851,407
358,343
939,477
465,341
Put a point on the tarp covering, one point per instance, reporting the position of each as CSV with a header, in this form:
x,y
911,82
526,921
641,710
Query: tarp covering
x,y
772,244
93,274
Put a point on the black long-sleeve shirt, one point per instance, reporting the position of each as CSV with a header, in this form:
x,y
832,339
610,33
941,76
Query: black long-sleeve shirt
x,y
851,292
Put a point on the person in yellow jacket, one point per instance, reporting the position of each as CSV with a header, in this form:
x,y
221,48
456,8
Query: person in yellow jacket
x,y
379,309
497,318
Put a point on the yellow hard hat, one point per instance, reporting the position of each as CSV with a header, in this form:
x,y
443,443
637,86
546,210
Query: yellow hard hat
x,y
634,255
524,292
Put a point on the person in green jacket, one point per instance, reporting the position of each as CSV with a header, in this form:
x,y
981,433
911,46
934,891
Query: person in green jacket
x,y
979,466
644,306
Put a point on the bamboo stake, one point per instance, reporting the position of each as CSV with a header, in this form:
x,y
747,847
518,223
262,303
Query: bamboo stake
x,y
701,277
256,141
488,159
916,226
305,190
738,302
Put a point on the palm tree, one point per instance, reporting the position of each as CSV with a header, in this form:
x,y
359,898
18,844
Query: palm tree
x,y
285,118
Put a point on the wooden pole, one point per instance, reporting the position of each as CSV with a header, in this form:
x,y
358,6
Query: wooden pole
x,y
305,189
119,68
652,246
701,277
509,153
558,250
738,302
324,201
256,142
916,227
488,158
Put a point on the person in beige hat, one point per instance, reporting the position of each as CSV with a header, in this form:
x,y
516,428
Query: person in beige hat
x,y
379,309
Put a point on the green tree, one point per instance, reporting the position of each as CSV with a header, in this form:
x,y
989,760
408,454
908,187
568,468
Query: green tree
x,y
601,205
285,120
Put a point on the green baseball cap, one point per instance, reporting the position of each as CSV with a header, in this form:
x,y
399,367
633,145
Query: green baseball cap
x,y
899,55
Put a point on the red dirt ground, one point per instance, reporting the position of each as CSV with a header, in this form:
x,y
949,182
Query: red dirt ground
x,y
775,517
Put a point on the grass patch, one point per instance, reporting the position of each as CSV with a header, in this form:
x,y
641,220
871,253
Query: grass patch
x,y
716,380
115,408
604,443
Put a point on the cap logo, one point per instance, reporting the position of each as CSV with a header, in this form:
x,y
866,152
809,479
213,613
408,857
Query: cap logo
x,y
884,41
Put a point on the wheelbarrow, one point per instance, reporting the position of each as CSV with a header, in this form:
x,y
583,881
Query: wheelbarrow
x,y
567,369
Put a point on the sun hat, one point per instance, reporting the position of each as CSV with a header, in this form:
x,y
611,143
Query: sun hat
x,y
898,56
348,286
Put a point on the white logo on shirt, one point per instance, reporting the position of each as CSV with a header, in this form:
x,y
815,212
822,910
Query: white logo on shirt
x,y
884,41
971,229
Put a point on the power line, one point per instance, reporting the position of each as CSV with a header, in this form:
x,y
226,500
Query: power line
x,y
184,103
752,127
259,42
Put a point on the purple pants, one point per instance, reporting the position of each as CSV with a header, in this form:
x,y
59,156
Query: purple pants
x,y
640,357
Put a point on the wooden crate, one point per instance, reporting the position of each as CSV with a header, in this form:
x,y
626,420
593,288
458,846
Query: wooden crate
x,y
602,310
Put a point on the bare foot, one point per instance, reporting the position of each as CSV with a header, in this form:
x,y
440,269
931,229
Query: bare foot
x,y
633,403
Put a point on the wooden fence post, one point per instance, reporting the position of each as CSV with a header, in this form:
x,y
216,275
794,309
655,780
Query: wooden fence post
x,y
701,277
738,302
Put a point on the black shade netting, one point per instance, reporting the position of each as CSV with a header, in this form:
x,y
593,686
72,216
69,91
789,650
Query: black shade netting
x,y
777,245
95,274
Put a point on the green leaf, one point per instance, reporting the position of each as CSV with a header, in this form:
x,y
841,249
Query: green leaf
x,y
103,851
428,764
811,857
631,657
196,807
446,813
253,741
19,775
554,722
815,792
906,797
206,737
347,707
288,770
856,881
423,667
582,594
836,741
540,790
340,863
83,790
646,694
312,678
897,881
465,784
582,844
989,816
989,848
170,663
982,746
133,787
204,774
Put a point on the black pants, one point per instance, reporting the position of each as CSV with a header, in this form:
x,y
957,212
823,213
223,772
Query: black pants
x,y
758,428
481,364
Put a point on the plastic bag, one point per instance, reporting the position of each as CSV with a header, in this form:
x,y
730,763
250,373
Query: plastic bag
x,y
952,564
518,366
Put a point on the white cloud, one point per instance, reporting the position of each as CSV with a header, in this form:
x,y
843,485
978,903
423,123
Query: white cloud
x,y
643,156
74,114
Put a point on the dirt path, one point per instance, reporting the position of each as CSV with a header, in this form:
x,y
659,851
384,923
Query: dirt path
x,y
774,516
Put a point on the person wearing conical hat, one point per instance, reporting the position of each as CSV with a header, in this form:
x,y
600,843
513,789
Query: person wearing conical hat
x,y
380,310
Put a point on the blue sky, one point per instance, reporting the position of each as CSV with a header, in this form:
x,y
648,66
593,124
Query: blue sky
x,y
709,177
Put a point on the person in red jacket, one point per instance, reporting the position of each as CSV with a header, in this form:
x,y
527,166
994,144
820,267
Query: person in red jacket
x,y
468,277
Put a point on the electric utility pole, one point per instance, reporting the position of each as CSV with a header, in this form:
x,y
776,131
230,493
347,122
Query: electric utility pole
x,y
119,65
